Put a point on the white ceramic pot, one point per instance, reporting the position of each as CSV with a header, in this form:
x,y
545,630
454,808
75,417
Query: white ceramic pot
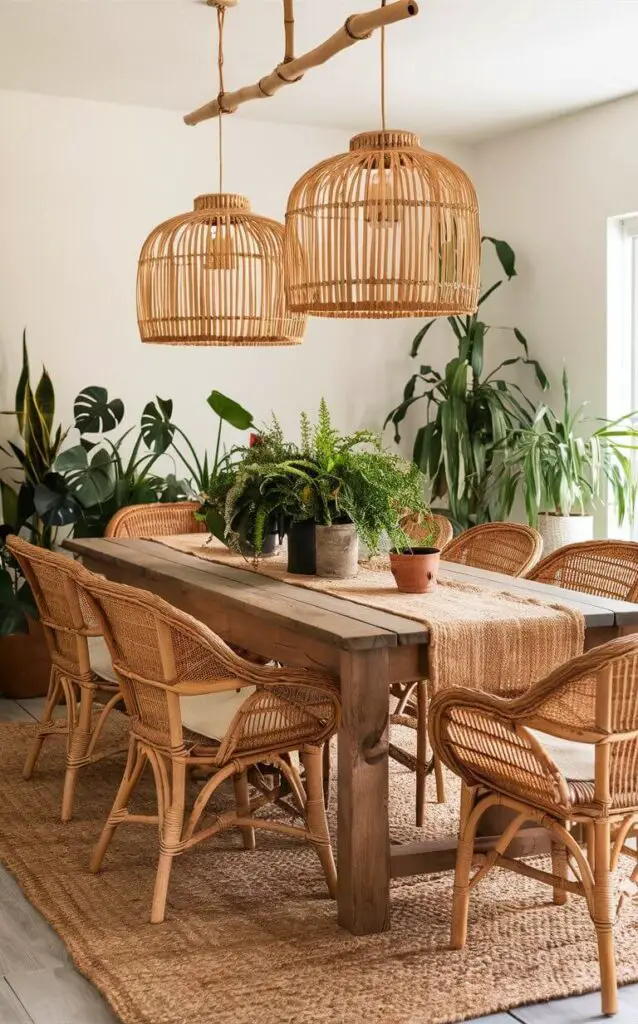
x,y
557,531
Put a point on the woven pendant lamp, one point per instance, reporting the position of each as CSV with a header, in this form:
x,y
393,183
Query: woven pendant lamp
x,y
215,276
385,230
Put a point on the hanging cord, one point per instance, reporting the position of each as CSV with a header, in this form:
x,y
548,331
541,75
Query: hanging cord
x,y
383,2
221,13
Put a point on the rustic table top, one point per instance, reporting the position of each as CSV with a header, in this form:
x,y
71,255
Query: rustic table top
x,y
333,620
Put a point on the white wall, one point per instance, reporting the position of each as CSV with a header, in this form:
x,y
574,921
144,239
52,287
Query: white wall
x,y
81,185
549,191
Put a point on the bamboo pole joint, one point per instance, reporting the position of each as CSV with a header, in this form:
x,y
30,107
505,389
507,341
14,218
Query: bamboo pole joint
x,y
356,28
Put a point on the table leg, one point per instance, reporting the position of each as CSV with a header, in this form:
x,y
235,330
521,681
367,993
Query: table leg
x,y
364,839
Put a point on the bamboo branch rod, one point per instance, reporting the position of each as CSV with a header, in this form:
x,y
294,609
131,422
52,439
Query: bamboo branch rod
x,y
289,31
358,26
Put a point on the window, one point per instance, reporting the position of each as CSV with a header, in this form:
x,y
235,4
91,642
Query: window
x,y
622,341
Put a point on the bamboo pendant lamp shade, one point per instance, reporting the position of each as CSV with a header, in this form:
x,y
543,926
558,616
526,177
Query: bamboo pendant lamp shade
x,y
385,230
215,277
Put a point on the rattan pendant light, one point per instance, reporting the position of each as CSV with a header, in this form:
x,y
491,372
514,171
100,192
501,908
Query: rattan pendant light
x,y
385,230
215,276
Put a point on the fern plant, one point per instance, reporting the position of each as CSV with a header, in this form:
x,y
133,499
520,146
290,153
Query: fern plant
x,y
327,477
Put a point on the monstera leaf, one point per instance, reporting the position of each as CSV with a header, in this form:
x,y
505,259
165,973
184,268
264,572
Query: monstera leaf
x,y
230,411
90,479
157,429
94,413
55,503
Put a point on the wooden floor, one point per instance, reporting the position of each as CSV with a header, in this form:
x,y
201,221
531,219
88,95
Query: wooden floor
x,y
39,985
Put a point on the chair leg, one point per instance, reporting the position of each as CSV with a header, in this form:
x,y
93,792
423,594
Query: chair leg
x,y
559,868
170,837
327,773
242,799
53,696
135,765
421,751
604,912
440,781
79,740
591,844
464,854
316,818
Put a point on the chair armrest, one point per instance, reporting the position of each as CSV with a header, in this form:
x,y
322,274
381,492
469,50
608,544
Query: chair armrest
x,y
484,740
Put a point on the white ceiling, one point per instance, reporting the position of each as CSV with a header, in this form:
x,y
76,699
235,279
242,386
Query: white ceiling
x,y
464,69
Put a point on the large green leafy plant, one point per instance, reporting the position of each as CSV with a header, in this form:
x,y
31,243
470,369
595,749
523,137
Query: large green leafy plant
x,y
469,412
561,463
31,460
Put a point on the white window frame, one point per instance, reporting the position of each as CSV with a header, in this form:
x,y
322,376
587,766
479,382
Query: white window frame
x,y
622,334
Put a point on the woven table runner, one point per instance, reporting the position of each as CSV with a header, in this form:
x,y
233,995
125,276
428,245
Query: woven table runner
x,y
489,639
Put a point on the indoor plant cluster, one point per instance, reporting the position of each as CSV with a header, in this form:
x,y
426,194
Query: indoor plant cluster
x,y
52,484
326,492
485,440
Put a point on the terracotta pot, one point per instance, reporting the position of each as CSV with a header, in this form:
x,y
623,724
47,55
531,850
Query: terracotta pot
x,y
302,556
337,551
25,664
415,570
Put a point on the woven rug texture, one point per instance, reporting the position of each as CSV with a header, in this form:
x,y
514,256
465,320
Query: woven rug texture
x,y
252,937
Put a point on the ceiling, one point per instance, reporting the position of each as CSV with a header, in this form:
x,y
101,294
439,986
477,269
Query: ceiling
x,y
463,69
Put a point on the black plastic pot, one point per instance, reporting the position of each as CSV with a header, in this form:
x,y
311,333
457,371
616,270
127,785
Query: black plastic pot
x,y
301,548
269,548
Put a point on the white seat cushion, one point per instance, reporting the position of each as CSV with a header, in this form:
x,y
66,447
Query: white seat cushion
x,y
101,659
575,760
211,714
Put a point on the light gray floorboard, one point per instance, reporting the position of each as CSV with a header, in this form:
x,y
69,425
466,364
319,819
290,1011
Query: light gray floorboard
x,y
40,985
11,1009
10,711
59,995
34,706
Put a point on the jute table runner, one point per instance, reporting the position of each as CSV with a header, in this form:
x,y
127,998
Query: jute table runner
x,y
489,639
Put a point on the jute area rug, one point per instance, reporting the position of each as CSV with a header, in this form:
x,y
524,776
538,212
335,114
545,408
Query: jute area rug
x,y
251,938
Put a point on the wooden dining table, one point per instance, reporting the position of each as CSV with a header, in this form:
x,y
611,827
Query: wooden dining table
x,y
368,650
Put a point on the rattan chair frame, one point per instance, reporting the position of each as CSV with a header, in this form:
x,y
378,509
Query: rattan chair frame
x,y
593,699
290,710
416,530
509,548
608,568
157,519
89,699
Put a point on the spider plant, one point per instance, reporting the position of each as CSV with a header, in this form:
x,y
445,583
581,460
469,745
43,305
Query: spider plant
x,y
561,464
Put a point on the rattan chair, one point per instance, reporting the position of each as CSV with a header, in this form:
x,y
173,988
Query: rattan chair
x,y
194,703
81,670
566,752
608,568
510,548
155,520
417,530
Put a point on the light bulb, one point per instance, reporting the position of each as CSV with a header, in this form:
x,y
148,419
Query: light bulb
x,y
219,248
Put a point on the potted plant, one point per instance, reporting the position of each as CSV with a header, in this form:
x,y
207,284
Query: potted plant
x,y
416,568
561,470
469,413
267,493
356,490
24,657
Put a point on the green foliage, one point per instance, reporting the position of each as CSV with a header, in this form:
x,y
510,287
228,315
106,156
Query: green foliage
x,y
468,413
34,456
560,471
327,477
